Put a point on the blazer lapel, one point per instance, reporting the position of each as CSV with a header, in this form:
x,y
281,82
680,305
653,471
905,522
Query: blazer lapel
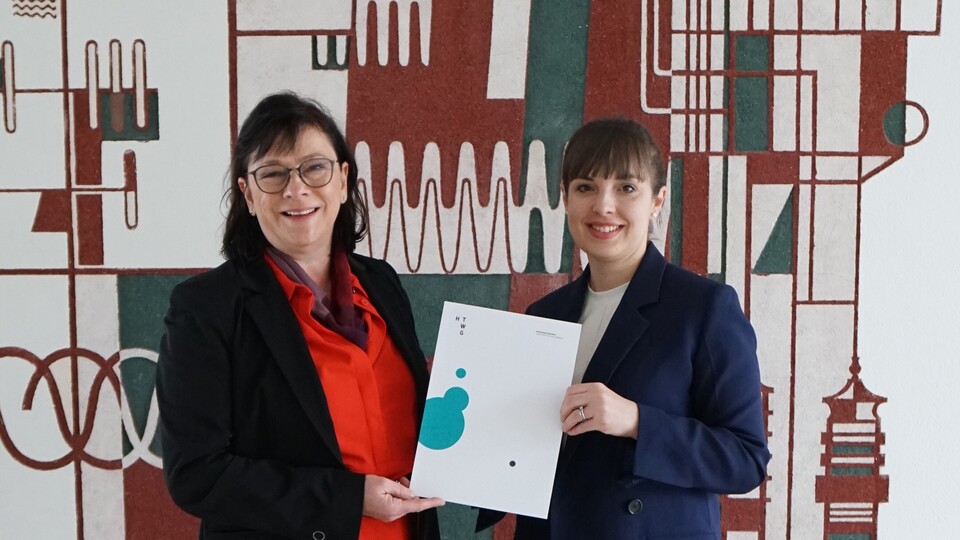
x,y
627,325
625,329
271,312
385,298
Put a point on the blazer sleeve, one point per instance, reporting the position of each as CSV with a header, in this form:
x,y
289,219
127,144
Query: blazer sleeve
x,y
721,447
203,475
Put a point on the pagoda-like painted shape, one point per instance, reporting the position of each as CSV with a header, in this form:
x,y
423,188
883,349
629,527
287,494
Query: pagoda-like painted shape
x,y
851,487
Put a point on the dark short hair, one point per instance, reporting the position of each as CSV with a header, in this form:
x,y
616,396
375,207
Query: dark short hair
x,y
274,125
617,147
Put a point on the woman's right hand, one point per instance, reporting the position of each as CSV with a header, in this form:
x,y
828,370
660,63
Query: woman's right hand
x,y
387,500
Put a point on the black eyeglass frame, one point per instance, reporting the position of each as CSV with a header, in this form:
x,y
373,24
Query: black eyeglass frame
x,y
283,186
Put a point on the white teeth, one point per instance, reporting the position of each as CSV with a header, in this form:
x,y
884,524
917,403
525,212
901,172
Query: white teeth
x,y
606,228
301,212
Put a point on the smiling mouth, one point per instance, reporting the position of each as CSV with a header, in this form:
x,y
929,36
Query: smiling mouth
x,y
606,228
297,213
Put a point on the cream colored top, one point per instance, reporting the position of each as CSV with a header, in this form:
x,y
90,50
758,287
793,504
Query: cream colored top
x,y
598,308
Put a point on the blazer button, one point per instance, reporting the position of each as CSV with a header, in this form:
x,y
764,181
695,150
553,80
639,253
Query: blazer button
x,y
635,506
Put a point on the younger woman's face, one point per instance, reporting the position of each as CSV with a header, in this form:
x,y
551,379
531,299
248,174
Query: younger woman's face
x,y
609,217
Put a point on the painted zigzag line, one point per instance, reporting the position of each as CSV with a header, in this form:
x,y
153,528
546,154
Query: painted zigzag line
x,y
35,8
31,11
35,15
469,237
41,4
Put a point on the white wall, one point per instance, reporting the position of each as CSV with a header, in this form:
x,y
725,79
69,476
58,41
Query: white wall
x,y
910,300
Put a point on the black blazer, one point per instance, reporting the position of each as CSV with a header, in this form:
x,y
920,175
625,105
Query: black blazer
x,y
248,443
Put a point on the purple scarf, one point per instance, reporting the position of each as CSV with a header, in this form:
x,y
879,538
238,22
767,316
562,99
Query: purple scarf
x,y
335,311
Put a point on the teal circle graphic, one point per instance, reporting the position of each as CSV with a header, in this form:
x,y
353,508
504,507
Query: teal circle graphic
x,y
461,373
443,421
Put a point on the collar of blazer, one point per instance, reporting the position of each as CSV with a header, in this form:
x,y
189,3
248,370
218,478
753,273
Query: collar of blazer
x,y
270,311
627,324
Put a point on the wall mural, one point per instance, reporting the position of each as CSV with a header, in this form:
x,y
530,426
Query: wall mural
x,y
116,124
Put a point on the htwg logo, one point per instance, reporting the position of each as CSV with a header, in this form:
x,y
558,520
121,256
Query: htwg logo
x,y
463,323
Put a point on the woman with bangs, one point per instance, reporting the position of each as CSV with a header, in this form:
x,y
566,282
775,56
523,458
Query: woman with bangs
x,y
665,412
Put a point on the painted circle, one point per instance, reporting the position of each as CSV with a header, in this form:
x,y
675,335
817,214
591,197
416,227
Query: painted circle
x,y
461,373
895,123
513,463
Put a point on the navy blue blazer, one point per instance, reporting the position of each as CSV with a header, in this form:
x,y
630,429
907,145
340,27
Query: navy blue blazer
x,y
681,348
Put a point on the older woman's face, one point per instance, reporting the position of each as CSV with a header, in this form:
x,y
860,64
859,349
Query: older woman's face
x,y
609,218
299,219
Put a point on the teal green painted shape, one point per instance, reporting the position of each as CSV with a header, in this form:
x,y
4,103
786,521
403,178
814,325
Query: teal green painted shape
x,y
535,253
427,293
753,53
331,62
750,116
566,250
443,421
726,35
895,124
849,536
130,131
777,254
556,81
142,302
457,522
852,449
851,471
726,118
676,210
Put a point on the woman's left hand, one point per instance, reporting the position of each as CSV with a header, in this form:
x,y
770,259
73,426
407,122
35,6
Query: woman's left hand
x,y
603,410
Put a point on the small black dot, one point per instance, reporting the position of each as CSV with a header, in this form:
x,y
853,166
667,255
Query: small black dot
x,y
513,463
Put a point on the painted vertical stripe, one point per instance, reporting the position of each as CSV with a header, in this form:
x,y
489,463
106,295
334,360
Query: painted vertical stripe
x,y
784,114
715,216
9,97
735,268
93,84
676,210
90,230
834,242
556,75
140,83
506,73
803,244
750,114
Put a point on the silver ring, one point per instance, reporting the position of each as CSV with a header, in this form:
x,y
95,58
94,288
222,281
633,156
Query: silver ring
x,y
583,417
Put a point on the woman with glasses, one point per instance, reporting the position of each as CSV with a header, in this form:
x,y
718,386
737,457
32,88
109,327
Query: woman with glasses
x,y
665,409
290,380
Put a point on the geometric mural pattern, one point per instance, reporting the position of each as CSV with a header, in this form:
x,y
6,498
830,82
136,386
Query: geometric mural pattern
x,y
117,121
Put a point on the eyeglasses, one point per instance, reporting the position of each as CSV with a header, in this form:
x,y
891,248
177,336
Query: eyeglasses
x,y
314,172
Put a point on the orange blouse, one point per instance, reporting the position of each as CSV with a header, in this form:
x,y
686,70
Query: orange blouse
x,y
370,395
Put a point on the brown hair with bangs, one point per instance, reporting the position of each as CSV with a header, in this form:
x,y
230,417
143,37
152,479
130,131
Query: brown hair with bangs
x,y
613,147
275,124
